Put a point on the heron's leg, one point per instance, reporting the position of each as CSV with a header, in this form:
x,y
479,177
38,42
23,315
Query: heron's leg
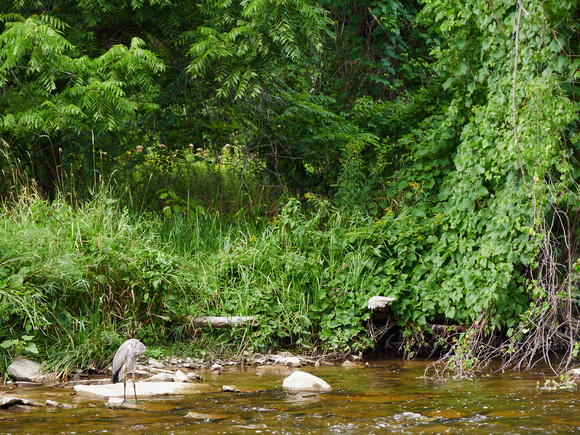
x,y
134,387
124,383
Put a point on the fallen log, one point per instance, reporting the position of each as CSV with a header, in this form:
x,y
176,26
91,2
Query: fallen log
x,y
224,322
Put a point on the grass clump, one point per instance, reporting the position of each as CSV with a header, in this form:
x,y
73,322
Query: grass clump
x,y
81,279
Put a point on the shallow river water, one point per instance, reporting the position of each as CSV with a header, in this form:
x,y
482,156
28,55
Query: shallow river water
x,y
391,396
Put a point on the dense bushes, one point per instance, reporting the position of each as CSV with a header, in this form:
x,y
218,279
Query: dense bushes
x,y
77,280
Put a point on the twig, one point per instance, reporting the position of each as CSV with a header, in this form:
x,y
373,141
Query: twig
x,y
496,19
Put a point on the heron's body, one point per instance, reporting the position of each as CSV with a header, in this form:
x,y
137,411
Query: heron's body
x,y
125,361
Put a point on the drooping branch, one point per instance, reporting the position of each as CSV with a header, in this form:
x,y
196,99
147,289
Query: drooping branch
x,y
514,90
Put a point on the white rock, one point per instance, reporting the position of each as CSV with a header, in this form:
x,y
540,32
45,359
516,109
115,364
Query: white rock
x,y
161,377
216,368
144,389
230,389
179,376
302,381
23,369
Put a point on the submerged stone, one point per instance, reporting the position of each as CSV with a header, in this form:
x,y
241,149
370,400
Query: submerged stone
x,y
230,389
117,402
205,417
54,404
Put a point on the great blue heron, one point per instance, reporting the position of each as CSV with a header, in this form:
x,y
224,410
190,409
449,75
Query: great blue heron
x,y
124,362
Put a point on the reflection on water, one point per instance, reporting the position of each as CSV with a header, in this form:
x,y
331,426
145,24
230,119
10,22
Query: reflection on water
x,y
389,397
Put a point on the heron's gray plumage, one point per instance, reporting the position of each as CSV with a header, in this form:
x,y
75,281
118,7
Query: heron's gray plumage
x,y
125,360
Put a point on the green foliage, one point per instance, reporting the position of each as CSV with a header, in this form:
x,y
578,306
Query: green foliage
x,y
563,382
54,95
378,49
50,92
249,40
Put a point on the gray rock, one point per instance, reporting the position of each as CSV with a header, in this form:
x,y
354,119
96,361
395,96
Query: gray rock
x,y
261,360
154,363
161,377
194,376
216,368
302,381
23,369
9,402
290,361
284,353
179,376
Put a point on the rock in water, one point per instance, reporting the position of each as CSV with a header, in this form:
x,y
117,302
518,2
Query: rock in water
x,y
161,377
205,417
302,381
290,361
117,402
8,402
144,389
179,376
